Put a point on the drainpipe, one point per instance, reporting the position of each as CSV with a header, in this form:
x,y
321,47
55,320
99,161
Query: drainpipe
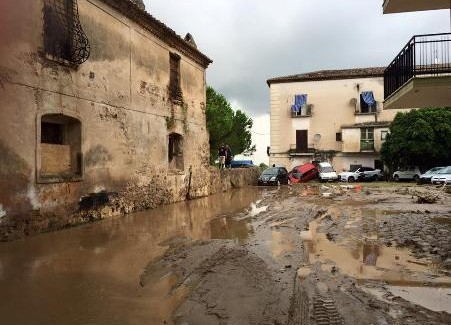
x,y
189,182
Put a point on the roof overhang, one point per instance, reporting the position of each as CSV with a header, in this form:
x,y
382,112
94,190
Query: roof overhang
x,y
397,6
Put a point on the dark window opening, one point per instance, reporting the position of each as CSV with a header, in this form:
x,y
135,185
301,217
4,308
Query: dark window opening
x,y
338,136
52,133
60,149
175,151
63,36
175,91
365,108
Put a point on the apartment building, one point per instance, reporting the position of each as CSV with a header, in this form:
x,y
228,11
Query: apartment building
x,y
333,115
420,75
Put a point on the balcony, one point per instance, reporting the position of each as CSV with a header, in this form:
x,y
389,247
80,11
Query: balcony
x,y
300,151
397,6
366,145
306,111
420,75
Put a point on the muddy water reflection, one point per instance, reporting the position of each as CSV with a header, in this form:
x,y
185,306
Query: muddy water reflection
x,y
90,274
357,252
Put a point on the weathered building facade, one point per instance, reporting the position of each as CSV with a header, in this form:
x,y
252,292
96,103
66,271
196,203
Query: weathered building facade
x,y
331,115
99,102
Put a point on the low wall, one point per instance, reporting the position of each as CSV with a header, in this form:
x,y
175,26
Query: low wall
x,y
102,205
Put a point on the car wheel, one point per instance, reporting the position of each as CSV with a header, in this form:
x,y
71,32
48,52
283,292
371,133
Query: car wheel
x,y
416,178
351,179
396,178
374,178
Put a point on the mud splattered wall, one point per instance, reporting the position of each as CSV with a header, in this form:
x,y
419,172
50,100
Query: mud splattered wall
x,y
120,98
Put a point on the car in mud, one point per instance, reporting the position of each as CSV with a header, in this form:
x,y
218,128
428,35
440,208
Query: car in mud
x,y
326,173
303,173
361,174
426,177
442,177
274,176
407,174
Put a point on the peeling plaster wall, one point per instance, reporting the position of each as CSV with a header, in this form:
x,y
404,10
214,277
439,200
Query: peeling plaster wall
x,y
120,96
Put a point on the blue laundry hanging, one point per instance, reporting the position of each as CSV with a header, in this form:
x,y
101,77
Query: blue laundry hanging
x,y
368,98
299,101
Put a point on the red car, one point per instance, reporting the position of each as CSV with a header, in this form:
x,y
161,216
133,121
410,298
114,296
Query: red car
x,y
304,173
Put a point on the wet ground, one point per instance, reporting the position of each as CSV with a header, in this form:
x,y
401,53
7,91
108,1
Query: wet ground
x,y
307,254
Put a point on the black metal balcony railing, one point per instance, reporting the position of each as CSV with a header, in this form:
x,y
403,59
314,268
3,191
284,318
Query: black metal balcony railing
x,y
366,145
294,149
424,55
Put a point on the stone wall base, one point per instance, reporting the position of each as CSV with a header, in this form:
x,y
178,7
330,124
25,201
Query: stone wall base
x,y
102,205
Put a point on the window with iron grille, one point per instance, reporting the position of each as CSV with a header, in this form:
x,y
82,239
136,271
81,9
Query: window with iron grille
x,y
338,136
175,91
64,38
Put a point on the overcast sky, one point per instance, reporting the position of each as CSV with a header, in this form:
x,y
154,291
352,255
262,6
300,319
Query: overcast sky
x,y
251,41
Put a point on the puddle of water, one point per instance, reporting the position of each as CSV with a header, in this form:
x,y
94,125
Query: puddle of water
x,y
90,274
436,299
364,259
231,228
280,244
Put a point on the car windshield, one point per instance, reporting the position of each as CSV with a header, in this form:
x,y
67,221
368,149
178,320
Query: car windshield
x,y
271,171
434,170
446,170
327,170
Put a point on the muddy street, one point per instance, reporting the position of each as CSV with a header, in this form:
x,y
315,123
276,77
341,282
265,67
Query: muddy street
x,y
306,254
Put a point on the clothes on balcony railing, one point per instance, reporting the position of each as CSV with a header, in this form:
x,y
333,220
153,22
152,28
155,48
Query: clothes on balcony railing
x,y
299,101
368,98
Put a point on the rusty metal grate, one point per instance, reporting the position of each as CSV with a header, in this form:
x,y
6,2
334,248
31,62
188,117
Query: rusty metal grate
x,y
64,37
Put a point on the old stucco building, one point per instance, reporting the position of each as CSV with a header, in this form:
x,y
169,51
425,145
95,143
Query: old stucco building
x,y
99,102
331,115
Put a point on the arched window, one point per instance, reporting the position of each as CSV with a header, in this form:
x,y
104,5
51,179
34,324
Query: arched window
x,y
175,151
60,148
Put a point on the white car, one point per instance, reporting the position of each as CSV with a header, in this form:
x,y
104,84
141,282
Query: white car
x,y
426,177
408,173
442,177
326,172
361,174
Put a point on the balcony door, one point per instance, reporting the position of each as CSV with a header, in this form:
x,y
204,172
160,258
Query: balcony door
x,y
301,141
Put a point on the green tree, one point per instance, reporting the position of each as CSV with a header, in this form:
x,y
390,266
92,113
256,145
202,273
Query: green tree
x,y
419,138
227,126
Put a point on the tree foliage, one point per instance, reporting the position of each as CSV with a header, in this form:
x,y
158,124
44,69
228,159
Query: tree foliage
x,y
419,138
227,126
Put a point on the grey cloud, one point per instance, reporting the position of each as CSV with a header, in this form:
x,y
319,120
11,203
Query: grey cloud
x,y
253,40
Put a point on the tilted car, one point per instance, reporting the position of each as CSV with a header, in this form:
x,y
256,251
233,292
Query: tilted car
x,y
442,177
361,174
427,176
304,173
274,176
408,173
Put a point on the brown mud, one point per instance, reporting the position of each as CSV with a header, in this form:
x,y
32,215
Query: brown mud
x,y
307,254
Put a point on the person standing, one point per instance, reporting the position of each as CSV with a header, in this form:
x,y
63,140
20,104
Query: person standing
x,y
229,157
222,152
